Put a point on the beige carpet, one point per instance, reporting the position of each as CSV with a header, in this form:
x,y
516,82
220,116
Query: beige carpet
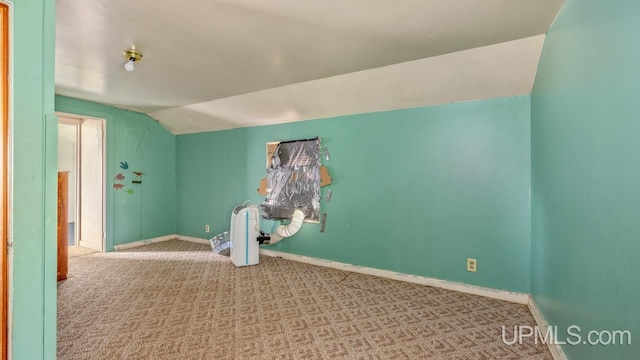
x,y
179,300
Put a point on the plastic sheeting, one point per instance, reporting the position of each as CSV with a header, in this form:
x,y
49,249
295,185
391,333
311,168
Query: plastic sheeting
x,y
293,181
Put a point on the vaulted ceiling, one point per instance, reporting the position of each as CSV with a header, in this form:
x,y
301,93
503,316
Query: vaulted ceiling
x,y
219,64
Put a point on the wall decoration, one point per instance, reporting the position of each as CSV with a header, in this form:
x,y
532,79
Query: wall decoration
x,y
121,177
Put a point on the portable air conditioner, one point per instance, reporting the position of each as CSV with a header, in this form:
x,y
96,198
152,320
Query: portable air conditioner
x,y
244,233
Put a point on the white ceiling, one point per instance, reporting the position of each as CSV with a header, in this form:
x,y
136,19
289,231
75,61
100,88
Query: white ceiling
x,y
218,64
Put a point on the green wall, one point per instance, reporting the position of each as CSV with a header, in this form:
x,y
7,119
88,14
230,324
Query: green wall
x,y
586,173
147,147
415,191
33,216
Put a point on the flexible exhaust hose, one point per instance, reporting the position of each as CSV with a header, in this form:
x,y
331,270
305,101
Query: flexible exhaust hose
x,y
294,225
284,231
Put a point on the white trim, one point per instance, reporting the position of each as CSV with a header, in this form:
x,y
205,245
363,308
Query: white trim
x,y
161,239
9,184
519,298
67,120
555,349
193,239
144,242
514,297
72,118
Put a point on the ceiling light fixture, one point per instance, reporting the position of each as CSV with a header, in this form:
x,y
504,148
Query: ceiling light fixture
x,y
132,55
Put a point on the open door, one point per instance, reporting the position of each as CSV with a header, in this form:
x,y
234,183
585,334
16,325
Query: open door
x,y
81,153
91,234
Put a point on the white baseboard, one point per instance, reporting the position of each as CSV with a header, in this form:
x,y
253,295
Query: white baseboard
x,y
193,239
143,242
514,297
519,298
160,239
555,349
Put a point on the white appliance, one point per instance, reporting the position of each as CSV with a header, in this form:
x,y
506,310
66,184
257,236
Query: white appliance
x,y
244,234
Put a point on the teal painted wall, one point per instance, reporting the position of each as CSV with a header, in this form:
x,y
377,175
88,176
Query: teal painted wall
x,y
33,217
416,191
147,147
585,174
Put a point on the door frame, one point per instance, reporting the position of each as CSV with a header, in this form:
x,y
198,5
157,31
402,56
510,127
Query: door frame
x,y
75,119
5,217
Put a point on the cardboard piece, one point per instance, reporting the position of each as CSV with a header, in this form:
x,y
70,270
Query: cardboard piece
x,y
262,188
325,178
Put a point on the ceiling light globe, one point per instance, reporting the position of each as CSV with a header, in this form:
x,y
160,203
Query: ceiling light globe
x,y
129,65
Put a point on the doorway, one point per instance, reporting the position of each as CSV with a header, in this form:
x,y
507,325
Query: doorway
x,y
81,153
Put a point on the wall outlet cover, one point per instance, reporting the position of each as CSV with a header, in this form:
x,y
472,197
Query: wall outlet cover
x,y
472,265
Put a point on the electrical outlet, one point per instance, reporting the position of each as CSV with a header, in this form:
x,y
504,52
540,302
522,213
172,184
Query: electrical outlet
x,y
472,265
206,228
